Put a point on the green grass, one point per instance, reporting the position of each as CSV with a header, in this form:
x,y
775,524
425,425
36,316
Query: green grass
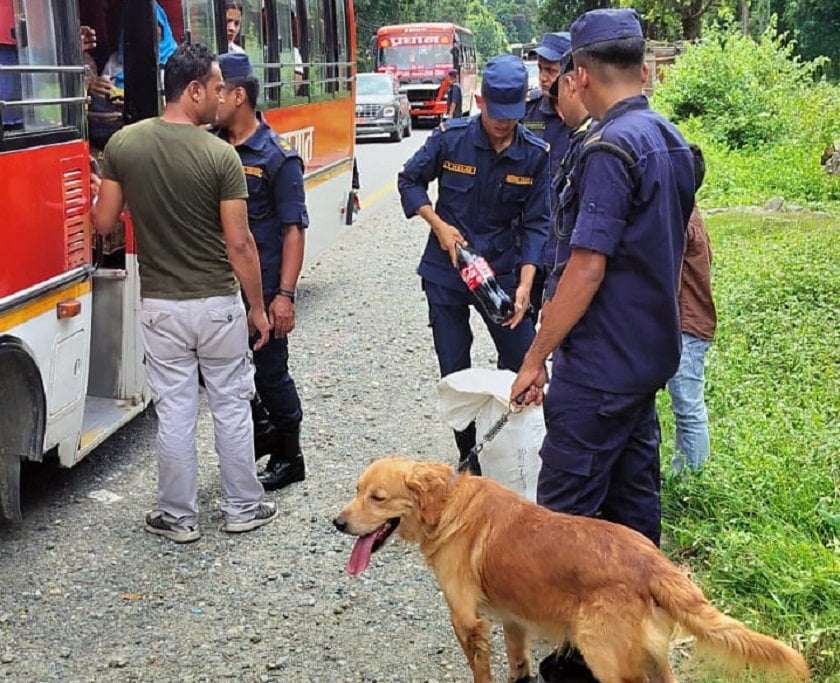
x,y
760,523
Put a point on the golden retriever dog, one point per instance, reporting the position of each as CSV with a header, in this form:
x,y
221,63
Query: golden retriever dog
x,y
601,587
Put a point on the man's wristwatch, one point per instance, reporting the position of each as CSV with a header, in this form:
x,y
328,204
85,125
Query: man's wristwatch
x,y
290,294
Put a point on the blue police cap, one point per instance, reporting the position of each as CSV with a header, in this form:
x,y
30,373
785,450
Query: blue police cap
x,y
235,65
600,25
554,45
504,87
453,72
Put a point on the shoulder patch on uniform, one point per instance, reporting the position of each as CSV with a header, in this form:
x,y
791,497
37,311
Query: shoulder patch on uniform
x,y
454,124
518,179
458,168
535,139
285,145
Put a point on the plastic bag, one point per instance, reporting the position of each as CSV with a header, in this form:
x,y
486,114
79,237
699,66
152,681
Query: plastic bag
x,y
480,394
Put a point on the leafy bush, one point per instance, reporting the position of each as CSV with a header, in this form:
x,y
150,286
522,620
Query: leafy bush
x,y
761,115
740,87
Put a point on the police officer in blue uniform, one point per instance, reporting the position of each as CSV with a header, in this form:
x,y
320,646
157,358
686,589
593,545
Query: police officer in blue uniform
x,y
542,119
490,170
540,116
613,325
278,218
566,100
454,96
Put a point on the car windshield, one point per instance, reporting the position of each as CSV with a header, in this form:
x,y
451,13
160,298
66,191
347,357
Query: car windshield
x,y
374,85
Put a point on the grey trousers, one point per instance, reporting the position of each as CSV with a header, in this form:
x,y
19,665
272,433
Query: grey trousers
x,y
179,336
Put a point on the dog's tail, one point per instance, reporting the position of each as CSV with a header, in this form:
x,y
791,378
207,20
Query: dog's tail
x,y
727,639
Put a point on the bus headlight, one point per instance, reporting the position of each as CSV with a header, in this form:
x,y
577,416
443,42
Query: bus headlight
x,y
388,111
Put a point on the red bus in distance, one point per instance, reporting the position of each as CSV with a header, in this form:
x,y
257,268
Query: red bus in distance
x,y
420,57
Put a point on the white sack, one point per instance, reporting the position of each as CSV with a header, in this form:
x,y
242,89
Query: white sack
x,y
481,394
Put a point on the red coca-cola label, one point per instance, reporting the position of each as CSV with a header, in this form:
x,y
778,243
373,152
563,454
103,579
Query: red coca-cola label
x,y
476,273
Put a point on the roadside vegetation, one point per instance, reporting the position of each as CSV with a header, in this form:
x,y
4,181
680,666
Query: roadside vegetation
x,y
760,523
763,117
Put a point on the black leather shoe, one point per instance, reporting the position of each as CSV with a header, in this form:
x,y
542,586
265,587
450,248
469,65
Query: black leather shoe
x,y
280,473
565,667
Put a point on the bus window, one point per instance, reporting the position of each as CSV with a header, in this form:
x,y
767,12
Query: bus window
x,y
317,57
250,36
200,22
52,97
286,79
343,53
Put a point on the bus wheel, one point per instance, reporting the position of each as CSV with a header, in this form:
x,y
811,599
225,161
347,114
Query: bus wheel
x,y
10,488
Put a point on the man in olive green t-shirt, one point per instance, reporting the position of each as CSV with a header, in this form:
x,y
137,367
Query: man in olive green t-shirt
x,y
186,192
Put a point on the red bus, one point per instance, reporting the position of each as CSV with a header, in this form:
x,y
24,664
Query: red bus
x,y
420,57
71,370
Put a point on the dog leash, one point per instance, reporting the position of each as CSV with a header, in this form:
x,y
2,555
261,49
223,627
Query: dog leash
x,y
470,460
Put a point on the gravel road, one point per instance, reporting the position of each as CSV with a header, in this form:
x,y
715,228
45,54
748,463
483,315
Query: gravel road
x,y
89,596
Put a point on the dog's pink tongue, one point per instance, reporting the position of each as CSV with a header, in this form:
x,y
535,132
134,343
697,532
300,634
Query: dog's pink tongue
x,y
360,555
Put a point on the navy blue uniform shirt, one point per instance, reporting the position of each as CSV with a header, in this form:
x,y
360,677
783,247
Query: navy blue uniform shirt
x,y
635,212
541,119
481,193
557,247
276,197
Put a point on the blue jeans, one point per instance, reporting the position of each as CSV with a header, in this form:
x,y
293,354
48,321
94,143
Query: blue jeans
x,y
689,405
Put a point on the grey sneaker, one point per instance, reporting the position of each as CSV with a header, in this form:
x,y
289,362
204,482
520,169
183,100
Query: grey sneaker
x,y
156,524
264,514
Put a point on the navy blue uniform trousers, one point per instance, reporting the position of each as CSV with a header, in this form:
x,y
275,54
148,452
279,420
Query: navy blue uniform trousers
x,y
275,385
601,456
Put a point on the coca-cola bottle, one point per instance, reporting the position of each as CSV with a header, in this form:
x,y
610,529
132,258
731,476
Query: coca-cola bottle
x,y
481,281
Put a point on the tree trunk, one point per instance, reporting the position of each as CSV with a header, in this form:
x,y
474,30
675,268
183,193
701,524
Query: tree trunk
x,y
691,23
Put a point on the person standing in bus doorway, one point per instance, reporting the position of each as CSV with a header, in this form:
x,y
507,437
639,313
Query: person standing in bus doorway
x,y
492,194
613,325
542,118
186,192
278,219
454,96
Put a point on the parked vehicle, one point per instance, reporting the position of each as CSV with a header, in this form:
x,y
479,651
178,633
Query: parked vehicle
x,y
71,361
381,109
533,75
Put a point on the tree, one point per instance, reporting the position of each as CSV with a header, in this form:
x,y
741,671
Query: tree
x,y
520,19
490,38
558,15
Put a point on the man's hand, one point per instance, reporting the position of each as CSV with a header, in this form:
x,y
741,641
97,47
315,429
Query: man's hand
x,y
95,184
258,324
448,236
101,87
88,37
530,381
281,315
521,303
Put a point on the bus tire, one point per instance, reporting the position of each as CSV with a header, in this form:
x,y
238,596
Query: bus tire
x,y
21,431
10,488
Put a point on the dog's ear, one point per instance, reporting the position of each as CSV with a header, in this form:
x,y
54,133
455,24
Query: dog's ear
x,y
429,483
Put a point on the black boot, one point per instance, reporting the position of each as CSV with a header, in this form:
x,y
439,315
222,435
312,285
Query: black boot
x,y
466,442
565,666
266,436
286,464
